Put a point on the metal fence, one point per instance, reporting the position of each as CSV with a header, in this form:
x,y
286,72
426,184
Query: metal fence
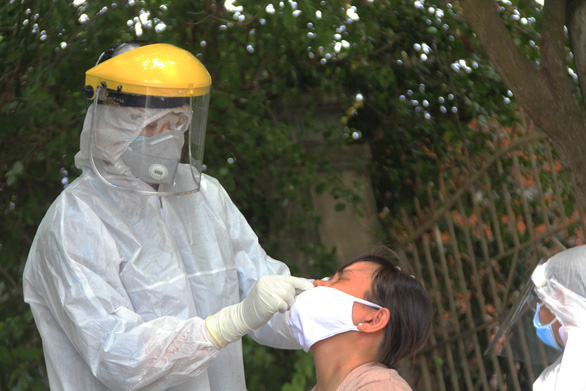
x,y
474,242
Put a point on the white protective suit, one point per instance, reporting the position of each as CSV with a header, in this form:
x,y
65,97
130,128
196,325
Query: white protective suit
x,y
561,284
120,284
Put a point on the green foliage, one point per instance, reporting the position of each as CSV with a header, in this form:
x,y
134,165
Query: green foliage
x,y
420,93
266,368
304,373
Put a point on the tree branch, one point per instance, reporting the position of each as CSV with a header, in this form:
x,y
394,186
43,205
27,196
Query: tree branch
x,y
545,94
517,71
552,48
575,22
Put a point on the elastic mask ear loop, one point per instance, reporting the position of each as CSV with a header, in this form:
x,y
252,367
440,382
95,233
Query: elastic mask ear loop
x,y
368,304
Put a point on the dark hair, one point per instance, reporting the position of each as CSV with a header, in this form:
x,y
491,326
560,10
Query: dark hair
x,y
406,299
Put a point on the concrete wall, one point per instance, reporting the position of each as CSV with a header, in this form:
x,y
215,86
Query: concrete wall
x,y
351,233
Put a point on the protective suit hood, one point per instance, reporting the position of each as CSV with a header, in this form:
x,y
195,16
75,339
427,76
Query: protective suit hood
x,y
561,284
108,131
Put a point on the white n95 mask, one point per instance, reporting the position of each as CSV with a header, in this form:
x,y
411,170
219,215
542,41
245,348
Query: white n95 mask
x,y
155,159
321,313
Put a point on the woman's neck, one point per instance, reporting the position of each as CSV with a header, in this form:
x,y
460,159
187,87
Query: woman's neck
x,y
334,361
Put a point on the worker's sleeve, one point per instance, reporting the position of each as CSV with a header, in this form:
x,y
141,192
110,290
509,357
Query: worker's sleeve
x,y
78,278
252,262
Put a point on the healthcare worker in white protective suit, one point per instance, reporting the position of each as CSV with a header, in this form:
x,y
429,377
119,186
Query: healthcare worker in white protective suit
x,y
557,294
560,286
143,274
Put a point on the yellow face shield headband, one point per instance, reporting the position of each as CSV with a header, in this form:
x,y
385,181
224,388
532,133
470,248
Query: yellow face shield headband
x,y
161,70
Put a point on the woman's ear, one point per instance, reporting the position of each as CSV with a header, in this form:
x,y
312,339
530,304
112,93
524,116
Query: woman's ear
x,y
374,320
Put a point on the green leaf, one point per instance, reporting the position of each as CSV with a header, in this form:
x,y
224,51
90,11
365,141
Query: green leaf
x,y
13,174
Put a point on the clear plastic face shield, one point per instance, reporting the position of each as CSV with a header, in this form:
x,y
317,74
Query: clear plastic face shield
x,y
148,144
517,334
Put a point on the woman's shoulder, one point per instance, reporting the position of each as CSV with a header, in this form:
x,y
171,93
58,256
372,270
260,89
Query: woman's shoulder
x,y
374,376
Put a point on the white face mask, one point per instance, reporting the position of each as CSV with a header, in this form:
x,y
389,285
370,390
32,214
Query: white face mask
x,y
321,313
155,159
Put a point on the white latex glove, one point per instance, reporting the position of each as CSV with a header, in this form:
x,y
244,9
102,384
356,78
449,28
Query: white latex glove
x,y
270,294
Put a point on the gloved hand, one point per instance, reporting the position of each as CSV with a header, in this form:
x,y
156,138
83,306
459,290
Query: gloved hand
x,y
270,294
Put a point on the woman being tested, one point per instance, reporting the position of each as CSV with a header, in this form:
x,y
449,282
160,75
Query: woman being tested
x,y
361,323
